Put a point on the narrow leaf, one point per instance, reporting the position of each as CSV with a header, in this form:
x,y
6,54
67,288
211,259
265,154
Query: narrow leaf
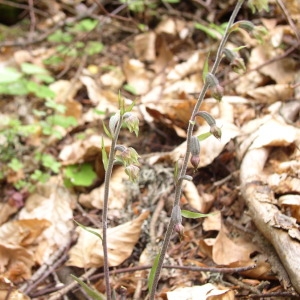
x,y
205,68
203,136
94,294
153,271
104,156
89,230
193,215
107,131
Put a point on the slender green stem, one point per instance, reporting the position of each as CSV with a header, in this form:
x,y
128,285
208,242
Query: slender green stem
x,y
108,173
178,189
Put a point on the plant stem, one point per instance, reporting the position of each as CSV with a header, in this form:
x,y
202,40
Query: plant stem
x,y
178,189
108,173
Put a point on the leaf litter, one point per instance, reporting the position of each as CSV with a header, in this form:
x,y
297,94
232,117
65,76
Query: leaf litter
x,y
249,180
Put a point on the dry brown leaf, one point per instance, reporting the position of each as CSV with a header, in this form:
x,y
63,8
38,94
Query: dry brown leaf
x,y
7,288
144,46
228,250
207,291
54,203
88,251
292,204
201,203
268,131
16,262
272,93
193,64
213,222
137,76
83,150
114,79
6,210
210,147
23,232
117,192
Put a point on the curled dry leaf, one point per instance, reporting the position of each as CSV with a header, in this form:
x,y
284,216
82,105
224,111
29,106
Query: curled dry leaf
x,y
7,288
201,203
23,232
51,202
88,252
117,192
227,250
204,292
15,262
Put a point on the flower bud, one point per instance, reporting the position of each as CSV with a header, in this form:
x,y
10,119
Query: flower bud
x,y
131,121
133,172
127,156
113,123
217,92
207,117
216,131
195,152
180,230
258,5
238,65
212,80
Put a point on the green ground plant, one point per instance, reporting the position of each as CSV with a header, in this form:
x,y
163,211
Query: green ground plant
x,y
30,81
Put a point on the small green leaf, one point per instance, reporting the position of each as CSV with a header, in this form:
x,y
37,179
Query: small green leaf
x,y
62,121
107,132
212,32
15,164
153,271
193,215
8,75
203,136
89,230
205,68
31,69
129,88
80,175
93,47
85,25
104,156
94,294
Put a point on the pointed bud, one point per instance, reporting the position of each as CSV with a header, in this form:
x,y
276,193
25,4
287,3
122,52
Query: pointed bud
x,y
246,25
133,172
195,152
238,65
176,215
195,146
229,54
127,156
113,123
258,5
212,80
131,121
216,131
259,33
180,230
217,92
207,117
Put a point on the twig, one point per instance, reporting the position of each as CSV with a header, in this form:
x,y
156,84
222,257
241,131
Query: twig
x,y
44,35
69,287
289,19
32,19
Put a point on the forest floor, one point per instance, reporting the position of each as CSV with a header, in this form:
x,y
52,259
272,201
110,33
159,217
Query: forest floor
x,y
63,67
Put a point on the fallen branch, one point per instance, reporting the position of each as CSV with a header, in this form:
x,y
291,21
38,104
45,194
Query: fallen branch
x,y
260,201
